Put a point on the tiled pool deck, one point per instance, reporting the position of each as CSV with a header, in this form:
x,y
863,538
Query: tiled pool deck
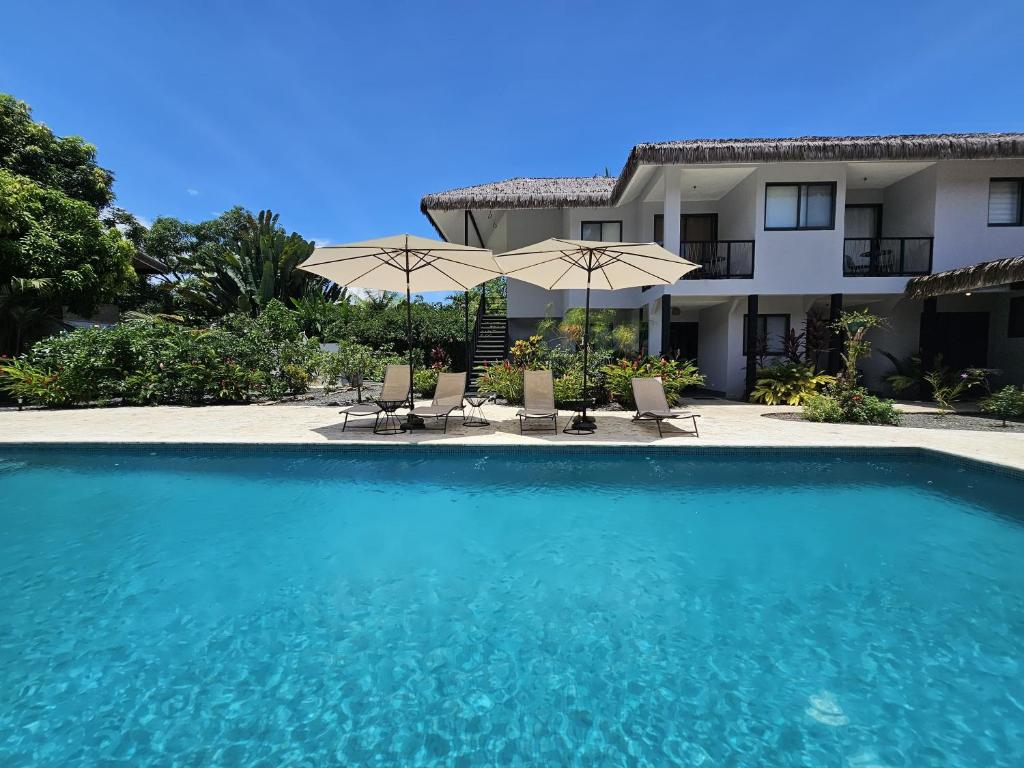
x,y
722,424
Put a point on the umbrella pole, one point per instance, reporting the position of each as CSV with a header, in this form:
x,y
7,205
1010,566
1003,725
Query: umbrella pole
x,y
584,421
412,420
467,337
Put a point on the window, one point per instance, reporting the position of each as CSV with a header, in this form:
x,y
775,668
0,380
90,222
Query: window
x,y
772,331
604,231
800,206
1015,328
1006,202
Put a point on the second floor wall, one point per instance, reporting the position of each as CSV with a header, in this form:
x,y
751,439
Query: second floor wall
x,y
909,217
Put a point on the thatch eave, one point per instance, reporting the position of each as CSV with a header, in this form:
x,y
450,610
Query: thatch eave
x,y
987,274
518,193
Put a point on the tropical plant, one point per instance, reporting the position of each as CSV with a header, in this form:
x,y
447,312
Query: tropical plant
x,y
503,379
1007,403
569,386
948,388
788,383
854,325
675,375
28,383
26,310
352,361
261,265
906,376
840,404
424,381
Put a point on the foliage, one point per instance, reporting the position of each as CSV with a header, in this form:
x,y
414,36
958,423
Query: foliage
x,y
841,404
259,266
67,165
569,386
675,376
27,311
424,381
854,325
1007,403
605,334
30,383
788,383
947,388
352,361
503,379
150,361
45,234
907,375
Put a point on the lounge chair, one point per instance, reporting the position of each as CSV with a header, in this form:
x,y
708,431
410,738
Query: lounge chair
x,y
451,387
651,404
538,399
396,388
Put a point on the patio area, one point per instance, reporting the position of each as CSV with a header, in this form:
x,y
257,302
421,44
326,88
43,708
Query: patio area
x,y
722,423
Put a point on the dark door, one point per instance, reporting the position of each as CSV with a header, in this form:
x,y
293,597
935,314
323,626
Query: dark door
x,y
699,227
962,339
863,221
682,341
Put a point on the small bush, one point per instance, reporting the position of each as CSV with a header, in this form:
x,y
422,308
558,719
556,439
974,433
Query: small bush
x,y
788,384
503,379
424,381
1007,403
570,387
852,405
675,377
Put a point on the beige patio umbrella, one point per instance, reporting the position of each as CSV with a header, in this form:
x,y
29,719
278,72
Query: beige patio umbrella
x,y
558,263
404,263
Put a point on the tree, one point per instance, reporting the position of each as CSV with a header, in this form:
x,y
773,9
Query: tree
x,y
239,262
68,164
44,233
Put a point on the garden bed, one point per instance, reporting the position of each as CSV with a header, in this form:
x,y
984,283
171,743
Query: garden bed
x,y
959,421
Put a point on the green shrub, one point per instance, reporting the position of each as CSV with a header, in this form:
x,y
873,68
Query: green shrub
x,y
424,381
675,377
851,405
146,361
1007,403
31,384
569,386
503,379
787,383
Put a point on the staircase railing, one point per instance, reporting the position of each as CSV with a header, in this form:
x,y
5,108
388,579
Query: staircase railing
x,y
481,310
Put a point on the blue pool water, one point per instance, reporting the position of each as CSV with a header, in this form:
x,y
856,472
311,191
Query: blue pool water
x,y
294,609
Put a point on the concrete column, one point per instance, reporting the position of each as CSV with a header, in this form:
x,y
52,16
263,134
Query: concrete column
x,y
654,327
673,207
751,335
928,340
666,324
835,338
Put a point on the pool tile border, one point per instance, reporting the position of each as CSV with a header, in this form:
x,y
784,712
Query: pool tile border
x,y
789,451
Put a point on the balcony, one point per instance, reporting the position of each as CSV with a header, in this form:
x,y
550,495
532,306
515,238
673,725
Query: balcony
x,y
887,256
719,259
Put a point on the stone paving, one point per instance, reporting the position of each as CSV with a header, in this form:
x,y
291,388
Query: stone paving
x,y
722,423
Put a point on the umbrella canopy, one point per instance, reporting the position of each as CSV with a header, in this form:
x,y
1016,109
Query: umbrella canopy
x,y
558,263
404,263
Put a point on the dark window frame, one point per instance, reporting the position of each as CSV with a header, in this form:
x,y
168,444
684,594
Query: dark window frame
x,y
1015,318
602,222
799,197
1020,200
768,352
660,217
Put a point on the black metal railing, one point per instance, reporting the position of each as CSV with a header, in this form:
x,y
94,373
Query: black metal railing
x,y
719,259
887,256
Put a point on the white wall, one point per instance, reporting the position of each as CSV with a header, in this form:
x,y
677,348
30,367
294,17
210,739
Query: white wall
x,y
908,206
962,234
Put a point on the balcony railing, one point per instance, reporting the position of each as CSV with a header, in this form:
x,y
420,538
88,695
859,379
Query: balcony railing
x,y
720,259
887,256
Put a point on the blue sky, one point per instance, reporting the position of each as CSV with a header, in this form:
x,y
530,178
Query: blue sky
x,y
341,116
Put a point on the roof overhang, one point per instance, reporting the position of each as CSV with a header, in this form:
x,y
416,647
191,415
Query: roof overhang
x,y
987,274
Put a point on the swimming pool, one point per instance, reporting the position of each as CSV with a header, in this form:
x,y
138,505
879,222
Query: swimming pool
x,y
517,607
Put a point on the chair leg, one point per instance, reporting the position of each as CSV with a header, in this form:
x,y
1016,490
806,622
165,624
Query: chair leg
x,y
658,422
445,430
696,432
345,424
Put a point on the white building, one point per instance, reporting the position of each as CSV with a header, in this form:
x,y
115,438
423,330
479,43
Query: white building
x,y
781,228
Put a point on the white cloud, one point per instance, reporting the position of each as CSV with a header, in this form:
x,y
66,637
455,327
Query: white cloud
x,y
192,192
144,221
320,242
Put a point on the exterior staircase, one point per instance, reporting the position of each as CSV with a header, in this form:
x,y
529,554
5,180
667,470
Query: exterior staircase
x,y
490,339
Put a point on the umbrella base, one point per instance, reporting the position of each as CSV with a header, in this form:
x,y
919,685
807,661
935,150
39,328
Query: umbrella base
x,y
412,421
580,425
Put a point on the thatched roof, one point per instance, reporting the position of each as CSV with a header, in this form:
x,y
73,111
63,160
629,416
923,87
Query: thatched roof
x,y
601,191
559,192
987,274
